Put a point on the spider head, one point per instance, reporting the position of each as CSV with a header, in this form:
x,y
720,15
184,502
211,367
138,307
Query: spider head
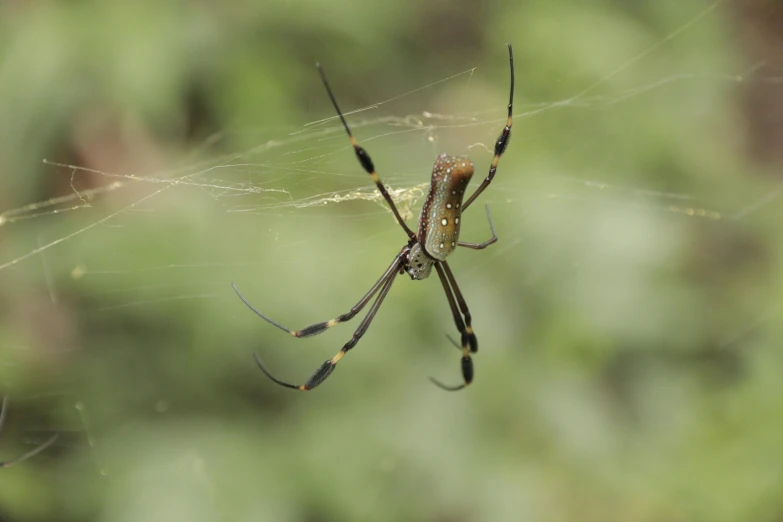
x,y
419,264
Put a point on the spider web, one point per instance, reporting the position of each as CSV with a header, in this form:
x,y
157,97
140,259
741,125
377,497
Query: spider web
x,y
303,231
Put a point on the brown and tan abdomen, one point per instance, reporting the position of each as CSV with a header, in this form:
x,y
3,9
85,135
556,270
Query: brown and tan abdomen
x,y
439,222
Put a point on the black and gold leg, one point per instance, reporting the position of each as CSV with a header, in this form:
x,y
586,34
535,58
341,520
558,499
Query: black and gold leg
x,y
328,366
463,307
502,141
365,160
466,362
485,244
318,328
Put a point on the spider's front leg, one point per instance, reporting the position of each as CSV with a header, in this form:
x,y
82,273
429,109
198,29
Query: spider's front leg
x,y
319,328
383,284
329,365
469,341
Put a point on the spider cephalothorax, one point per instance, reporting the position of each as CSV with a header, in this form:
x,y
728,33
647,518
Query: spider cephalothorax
x,y
417,263
436,238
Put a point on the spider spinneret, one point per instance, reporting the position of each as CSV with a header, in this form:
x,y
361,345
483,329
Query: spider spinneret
x,y
436,238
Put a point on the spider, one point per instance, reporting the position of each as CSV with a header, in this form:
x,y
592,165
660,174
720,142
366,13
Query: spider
x,y
436,238
33,452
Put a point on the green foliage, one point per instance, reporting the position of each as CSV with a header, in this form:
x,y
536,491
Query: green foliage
x,y
629,362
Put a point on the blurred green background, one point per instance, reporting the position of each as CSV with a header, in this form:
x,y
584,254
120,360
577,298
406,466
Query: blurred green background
x,y
629,364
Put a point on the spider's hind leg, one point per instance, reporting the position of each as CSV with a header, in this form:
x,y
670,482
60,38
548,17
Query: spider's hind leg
x,y
502,142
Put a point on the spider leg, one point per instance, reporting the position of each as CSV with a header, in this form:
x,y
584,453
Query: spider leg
x,y
328,366
453,342
318,328
35,451
364,159
485,244
469,343
502,141
463,306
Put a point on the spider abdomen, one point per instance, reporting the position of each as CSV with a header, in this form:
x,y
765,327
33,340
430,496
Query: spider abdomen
x,y
439,221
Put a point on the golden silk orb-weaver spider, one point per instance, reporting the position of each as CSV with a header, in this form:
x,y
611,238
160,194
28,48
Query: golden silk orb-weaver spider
x,y
436,238
33,452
